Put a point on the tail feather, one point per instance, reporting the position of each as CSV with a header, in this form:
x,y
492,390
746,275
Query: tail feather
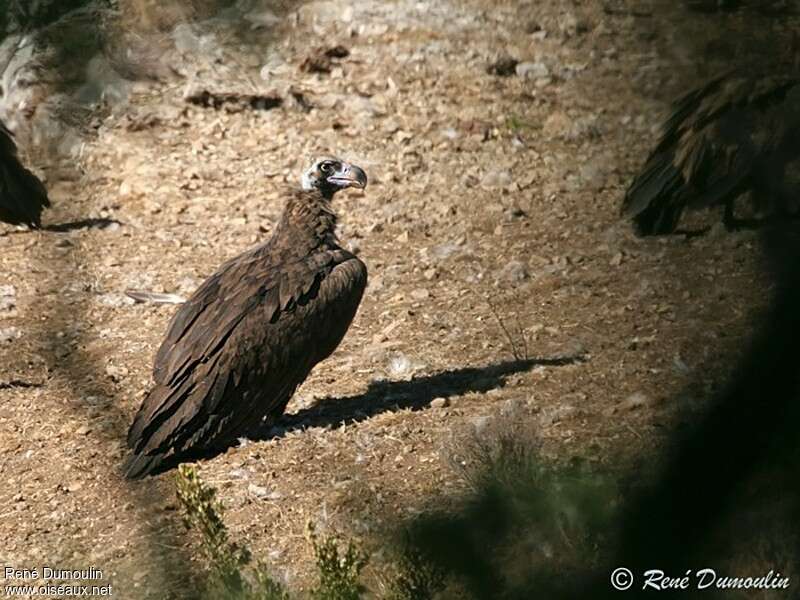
x,y
139,466
155,297
655,200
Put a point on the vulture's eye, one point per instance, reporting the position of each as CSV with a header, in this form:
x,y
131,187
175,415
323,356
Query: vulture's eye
x,y
326,168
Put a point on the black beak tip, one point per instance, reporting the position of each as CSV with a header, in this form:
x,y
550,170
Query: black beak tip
x,y
360,177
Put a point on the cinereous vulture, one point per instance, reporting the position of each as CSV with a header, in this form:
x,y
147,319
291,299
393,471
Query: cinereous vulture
x,y
22,195
238,348
736,134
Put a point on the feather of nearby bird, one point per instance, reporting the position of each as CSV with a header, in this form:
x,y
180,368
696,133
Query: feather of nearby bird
x,y
22,195
736,133
155,297
250,334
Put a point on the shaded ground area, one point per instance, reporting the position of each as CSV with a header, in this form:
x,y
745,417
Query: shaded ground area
x,y
490,197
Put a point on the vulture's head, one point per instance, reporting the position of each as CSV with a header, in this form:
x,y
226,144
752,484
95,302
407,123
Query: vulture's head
x,y
329,175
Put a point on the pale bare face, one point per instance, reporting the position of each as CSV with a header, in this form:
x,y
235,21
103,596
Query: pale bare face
x,y
330,174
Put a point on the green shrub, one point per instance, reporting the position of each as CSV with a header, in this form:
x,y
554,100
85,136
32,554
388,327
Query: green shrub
x,y
338,572
203,513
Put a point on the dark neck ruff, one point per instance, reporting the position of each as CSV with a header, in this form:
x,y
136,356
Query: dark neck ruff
x,y
308,215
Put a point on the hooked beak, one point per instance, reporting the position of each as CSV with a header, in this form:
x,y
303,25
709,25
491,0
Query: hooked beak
x,y
349,176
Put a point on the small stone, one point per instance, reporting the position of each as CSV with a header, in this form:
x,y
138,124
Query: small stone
x,y
116,300
400,365
420,294
82,430
444,251
258,491
8,298
450,133
532,70
116,373
514,272
636,400
9,334
496,179
440,402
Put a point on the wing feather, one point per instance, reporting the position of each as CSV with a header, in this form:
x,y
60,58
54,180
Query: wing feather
x,y
22,195
233,356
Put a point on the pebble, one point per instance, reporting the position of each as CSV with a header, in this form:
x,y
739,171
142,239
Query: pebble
x,y
514,272
116,373
444,251
532,70
401,365
420,294
440,402
497,178
258,491
115,300
450,133
637,400
9,334
8,297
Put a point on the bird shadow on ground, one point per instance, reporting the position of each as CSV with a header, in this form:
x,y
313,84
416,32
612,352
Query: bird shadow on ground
x,y
91,223
413,394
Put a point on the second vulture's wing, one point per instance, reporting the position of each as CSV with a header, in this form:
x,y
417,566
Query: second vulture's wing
x,y
22,195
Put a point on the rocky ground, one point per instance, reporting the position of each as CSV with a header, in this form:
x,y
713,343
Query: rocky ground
x,y
493,197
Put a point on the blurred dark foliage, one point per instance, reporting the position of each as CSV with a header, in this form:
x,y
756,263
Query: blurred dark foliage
x,y
26,15
767,7
727,482
725,493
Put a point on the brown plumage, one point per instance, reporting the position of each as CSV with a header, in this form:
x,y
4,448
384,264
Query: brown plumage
x,y
22,195
238,348
735,134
